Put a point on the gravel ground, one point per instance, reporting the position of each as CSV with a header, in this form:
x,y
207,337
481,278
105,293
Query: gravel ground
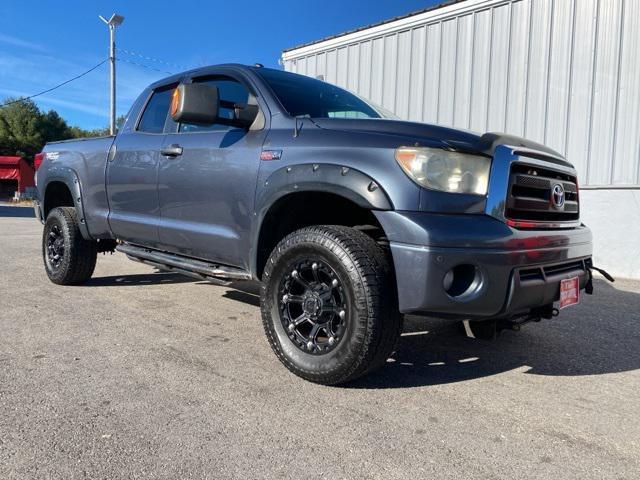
x,y
147,375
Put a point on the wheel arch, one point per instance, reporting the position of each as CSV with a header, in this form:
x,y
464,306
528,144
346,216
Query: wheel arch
x,y
293,198
64,190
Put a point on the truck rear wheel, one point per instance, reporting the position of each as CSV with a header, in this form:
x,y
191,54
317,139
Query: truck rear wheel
x,y
68,258
329,305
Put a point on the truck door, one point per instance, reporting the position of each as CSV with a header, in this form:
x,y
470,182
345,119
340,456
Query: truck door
x,y
207,182
132,173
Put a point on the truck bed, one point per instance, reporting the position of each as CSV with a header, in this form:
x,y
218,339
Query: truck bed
x,y
83,160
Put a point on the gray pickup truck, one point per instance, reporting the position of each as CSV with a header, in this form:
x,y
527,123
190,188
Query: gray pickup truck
x,y
347,216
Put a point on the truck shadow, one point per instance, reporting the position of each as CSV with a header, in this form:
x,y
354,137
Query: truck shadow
x,y
157,278
599,336
8,211
244,292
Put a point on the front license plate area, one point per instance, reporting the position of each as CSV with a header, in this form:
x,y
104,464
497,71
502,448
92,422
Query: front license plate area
x,y
569,292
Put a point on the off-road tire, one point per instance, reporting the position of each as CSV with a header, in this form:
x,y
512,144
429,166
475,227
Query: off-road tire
x,y
373,324
78,260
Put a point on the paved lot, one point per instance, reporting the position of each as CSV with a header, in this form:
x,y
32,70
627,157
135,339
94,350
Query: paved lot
x,y
147,375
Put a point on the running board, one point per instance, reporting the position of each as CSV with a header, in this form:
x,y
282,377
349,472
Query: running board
x,y
187,266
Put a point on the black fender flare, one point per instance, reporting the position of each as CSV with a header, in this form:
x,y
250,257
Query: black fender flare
x,y
70,178
340,180
347,182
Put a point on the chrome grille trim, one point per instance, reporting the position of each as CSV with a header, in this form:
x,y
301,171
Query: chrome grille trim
x,y
500,183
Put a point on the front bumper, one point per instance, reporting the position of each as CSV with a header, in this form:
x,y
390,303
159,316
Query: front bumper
x,y
516,270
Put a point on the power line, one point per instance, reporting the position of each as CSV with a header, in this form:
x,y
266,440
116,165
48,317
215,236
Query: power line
x,y
151,59
54,88
142,65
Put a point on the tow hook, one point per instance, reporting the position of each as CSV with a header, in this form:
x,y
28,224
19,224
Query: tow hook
x,y
588,288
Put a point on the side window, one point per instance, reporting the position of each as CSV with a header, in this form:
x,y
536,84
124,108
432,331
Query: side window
x,y
230,91
155,113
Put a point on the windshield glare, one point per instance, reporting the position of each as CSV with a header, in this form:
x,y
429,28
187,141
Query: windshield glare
x,y
303,96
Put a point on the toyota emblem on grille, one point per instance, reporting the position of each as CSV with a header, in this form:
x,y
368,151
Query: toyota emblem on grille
x,y
557,195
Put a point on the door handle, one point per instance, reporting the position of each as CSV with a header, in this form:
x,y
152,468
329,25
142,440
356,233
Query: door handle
x,y
174,150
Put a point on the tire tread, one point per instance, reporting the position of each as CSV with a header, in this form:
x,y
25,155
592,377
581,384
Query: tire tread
x,y
82,253
384,322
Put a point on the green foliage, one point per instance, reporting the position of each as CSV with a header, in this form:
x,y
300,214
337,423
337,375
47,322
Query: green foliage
x,y
24,128
77,132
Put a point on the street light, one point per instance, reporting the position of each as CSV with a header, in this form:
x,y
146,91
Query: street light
x,y
115,21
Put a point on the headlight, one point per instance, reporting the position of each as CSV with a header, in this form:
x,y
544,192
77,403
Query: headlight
x,y
445,171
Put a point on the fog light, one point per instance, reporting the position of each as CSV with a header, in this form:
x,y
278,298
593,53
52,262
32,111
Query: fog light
x,y
462,281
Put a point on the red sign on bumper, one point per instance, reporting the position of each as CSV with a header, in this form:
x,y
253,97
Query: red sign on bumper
x,y
569,292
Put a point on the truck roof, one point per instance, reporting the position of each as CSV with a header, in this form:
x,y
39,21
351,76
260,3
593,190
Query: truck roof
x,y
203,71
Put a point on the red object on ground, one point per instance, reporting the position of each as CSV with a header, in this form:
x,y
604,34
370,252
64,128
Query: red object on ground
x,y
17,168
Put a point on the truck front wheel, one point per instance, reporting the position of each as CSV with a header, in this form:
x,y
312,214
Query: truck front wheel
x,y
68,258
329,304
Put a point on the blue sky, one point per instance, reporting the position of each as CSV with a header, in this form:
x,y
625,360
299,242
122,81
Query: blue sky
x,y
45,42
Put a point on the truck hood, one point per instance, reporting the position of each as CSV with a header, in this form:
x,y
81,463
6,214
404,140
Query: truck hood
x,y
433,135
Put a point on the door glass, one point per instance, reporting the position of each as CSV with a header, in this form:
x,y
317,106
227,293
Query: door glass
x,y
155,114
229,90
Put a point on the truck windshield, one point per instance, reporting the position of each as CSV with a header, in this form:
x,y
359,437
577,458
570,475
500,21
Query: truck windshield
x,y
303,96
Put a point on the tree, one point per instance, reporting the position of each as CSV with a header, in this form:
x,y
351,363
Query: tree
x,y
21,129
78,132
54,127
24,128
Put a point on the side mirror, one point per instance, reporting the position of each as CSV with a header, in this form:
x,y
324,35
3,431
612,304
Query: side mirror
x,y
195,103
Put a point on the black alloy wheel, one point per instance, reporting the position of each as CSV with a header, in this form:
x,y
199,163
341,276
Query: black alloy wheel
x,y
54,252
313,306
329,304
69,258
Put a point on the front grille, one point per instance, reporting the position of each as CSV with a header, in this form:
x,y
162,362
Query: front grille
x,y
529,196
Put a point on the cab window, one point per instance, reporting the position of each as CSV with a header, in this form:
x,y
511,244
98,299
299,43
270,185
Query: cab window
x,y
229,90
155,113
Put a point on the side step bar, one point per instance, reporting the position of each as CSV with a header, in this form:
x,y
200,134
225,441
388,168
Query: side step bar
x,y
187,266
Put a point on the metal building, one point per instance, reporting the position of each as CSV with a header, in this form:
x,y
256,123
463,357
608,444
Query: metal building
x,y
565,73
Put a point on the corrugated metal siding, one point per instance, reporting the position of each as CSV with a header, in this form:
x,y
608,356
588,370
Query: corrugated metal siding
x,y
562,72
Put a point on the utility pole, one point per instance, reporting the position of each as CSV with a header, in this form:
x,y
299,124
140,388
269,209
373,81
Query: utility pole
x,y
115,21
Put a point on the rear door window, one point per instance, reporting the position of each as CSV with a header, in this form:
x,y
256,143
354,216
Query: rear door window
x,y
155,113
